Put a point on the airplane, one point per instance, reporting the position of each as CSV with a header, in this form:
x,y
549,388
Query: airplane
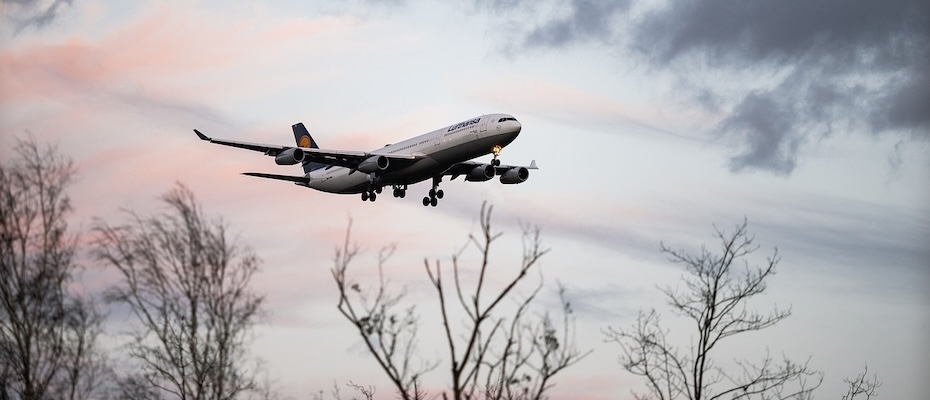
x,y
442,152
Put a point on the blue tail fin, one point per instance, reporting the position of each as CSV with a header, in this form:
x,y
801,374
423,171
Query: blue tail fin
x,y
306,141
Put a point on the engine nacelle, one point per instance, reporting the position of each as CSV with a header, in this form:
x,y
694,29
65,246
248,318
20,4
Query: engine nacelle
x,y
374,164
290,156
515,175
480,173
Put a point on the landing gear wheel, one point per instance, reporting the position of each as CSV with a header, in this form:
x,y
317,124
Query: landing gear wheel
x,y
434,194
364,196
373,196
379,189
399,190
496,151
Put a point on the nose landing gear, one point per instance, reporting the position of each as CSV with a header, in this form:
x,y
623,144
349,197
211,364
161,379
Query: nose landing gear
x,y
496,151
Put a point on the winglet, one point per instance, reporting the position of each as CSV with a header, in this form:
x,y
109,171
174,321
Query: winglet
x,y
202,136
532,165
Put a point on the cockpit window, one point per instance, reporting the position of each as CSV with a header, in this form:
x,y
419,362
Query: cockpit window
x,y
507,119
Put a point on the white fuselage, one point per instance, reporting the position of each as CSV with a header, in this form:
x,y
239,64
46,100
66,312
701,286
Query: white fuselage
x,y
436,151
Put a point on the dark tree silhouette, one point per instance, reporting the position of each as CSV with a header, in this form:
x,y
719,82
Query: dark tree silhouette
x,y
389,334
717,289
187,285
47,334
495,352
862,387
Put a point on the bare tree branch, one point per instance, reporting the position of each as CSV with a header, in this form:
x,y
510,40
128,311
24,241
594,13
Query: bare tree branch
x,y
187,286
47,334
496,354
862,385
717,287
389,334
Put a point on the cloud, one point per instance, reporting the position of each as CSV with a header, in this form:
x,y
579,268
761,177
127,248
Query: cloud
x,y
782,32
767,134
816,67
127,70
574,106
835,51
169,66
35,13
865,242
563,23
586,19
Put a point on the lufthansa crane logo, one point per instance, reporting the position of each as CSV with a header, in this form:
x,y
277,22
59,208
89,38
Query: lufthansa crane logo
x,y
304,141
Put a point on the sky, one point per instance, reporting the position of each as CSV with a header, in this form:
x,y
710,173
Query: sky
x,y
651,122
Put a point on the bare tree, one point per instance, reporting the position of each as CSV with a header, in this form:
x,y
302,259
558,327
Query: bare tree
x,y
500,352
47,334
717,289
389,334
87,369
862,386
187,285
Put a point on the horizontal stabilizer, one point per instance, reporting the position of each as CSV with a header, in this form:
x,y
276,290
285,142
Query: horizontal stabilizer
x,y
298,179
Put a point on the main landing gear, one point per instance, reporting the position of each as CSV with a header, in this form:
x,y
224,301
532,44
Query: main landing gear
x,y
373,189
371,194
434,194
400,191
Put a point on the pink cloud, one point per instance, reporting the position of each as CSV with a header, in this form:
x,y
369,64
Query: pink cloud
x,y
170,53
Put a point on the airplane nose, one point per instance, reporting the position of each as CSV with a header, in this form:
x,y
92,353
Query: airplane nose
x,y
515,127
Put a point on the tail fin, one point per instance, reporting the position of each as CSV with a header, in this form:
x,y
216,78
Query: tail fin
x,y
306,141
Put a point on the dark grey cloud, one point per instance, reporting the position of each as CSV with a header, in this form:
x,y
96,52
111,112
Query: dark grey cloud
x,y
807,68
907,105
767,133
782,31
587,19
34,13
862,65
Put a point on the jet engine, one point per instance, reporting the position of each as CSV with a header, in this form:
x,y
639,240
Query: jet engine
x,y
515,175
480,173
374,164
290,156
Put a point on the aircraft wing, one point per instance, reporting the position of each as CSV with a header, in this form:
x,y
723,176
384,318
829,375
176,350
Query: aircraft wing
x,y
501,169
297,179
341,158
463,168
268,150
